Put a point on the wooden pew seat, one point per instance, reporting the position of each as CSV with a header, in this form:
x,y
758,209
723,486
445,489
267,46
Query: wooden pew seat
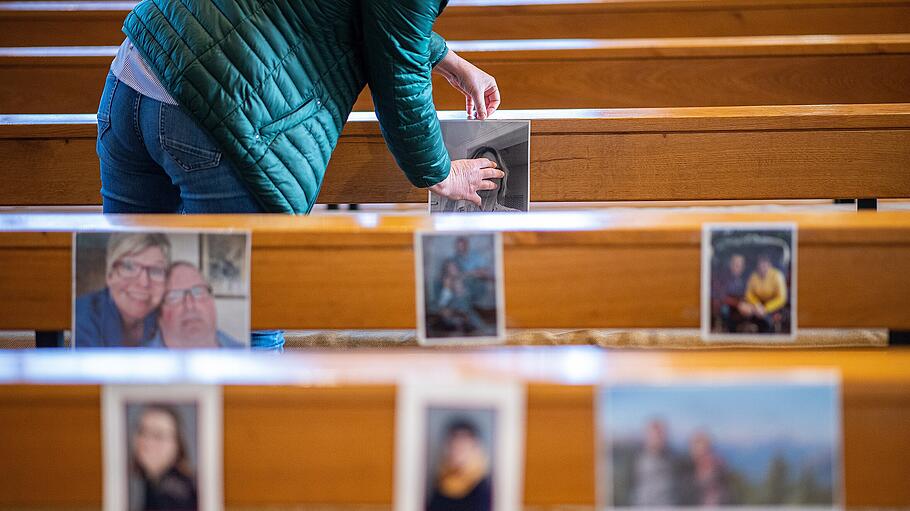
x,y
729,153
571,73
77,23
628,270
320,430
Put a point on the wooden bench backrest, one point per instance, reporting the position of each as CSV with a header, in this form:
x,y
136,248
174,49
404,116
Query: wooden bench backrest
x,y
628,270
335,445
98,22
788,152
570,73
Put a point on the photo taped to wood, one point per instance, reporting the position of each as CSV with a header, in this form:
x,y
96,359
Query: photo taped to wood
x,y
505,142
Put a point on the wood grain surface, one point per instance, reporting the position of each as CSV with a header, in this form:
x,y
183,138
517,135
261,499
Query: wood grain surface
x,y
578,73
88,23
784,152
301,445
562,270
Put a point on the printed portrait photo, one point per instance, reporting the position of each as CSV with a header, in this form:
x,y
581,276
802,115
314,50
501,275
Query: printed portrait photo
x,y
749,281
161,290
162,447
459,465
771,443
459,446
507,143
459,287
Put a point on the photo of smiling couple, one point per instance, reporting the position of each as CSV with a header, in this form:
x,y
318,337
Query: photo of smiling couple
x,y
161,290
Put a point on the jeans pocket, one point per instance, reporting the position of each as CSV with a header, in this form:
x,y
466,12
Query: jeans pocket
x,y
106,104
185,142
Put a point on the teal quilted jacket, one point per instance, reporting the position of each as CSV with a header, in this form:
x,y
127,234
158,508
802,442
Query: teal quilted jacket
x,y
273,82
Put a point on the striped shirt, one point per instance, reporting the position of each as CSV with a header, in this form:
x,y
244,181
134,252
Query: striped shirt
x,y
130,68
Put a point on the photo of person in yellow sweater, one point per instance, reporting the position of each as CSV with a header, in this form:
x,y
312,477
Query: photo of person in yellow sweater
x,y
748,281
766,295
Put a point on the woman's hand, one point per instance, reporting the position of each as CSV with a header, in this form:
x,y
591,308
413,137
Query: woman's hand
x,y
466,177
480,90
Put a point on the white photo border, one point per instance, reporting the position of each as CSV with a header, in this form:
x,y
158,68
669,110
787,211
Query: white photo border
x,y
415,397
419,277
796,376
707,251
209,433
169,230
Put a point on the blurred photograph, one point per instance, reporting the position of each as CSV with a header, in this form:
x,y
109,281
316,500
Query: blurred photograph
x,y
504,142
161,290
459,459
749,281
459,288
162,448
769,443
459,446
162,452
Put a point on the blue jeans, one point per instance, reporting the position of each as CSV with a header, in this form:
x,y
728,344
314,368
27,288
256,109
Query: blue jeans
x,y
156,159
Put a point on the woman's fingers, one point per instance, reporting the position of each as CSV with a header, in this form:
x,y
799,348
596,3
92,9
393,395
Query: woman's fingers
x,y
480,104
493,173
487,185
469,106
473,197
484,163
493,100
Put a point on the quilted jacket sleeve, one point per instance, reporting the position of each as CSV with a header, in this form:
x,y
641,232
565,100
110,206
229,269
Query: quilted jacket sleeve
x,y
401,50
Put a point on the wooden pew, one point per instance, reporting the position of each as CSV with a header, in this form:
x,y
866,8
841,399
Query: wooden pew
x,y
306,444
89,23
628,269
729,153
579,73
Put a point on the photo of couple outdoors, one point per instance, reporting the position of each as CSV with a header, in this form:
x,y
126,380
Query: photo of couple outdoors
x,y
721,445
161,290
461,286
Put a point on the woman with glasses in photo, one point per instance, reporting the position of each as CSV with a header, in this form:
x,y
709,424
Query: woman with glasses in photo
x,y
161,476
124,312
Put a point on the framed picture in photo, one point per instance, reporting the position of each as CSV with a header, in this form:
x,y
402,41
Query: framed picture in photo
x,y
507,143
227,259
732,441
460,297
459,446
161,289
749,284
162,447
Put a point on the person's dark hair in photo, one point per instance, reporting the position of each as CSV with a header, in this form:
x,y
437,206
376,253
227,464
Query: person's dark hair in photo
x,y
462,478
492,200
161,476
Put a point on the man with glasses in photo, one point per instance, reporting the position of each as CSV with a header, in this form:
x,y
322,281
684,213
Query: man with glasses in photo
x,y
187,318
